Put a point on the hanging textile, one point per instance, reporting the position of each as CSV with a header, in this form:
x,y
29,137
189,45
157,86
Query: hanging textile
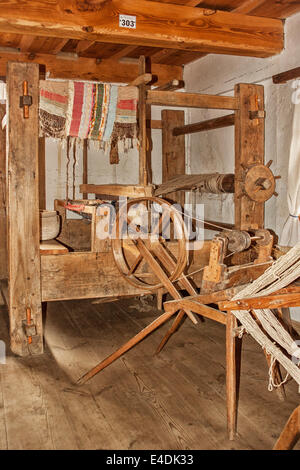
x,y
100,112
53,108
291,231
125,120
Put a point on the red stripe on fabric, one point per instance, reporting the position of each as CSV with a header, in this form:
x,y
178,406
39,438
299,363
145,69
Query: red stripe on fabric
x,y
54,96
127,104
77,108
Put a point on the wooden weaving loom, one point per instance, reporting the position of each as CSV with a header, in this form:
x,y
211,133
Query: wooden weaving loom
x,y
114,267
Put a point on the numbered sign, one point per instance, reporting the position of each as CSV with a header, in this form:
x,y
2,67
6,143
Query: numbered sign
x,y
126,21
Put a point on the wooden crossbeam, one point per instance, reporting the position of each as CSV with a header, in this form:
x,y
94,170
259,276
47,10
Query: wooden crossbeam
x,y
162,25
210,124
271,301
191,100
88,69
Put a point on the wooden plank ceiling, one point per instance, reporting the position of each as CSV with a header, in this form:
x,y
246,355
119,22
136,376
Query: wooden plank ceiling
x,y
38,47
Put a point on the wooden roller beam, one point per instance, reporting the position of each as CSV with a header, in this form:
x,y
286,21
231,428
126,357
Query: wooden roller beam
x,y
217,123
188,182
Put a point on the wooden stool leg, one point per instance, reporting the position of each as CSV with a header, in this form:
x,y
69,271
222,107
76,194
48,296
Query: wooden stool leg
x,y
290,433
233,361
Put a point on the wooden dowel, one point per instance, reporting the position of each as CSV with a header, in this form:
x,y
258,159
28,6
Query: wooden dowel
x,y
286,76
142,79
171,86
216,123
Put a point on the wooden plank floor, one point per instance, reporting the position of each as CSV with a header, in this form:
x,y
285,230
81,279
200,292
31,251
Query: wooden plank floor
x,y
172,401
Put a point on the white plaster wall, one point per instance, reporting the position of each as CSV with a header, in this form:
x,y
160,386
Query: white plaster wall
x,y
100,171
214,150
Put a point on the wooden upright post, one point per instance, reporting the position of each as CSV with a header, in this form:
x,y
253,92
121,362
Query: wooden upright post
x,y
144,119
42,173
249,150
24,284
173,150
3,244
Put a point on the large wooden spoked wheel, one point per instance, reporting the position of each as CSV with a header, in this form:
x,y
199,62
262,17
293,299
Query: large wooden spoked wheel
x,y
148,224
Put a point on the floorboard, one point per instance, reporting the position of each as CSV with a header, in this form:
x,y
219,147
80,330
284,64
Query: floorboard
x,y
175,400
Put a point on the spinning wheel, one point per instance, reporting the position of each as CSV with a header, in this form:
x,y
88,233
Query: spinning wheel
x,y
141,230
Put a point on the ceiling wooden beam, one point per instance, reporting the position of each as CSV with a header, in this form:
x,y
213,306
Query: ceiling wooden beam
x,y
162,25
248,6
83,68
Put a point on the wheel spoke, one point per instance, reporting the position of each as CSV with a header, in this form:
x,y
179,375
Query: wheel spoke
x,y
135,264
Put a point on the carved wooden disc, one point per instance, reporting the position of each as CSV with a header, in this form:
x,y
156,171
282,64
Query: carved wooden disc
x,y
259,183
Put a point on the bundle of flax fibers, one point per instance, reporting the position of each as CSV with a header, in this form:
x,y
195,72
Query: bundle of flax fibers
x,y
273,337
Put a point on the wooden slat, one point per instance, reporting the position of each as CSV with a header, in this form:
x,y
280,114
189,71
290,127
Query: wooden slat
x,y
3,229
52,247
191,100
208,125
271,301
197,307
117,189
59,46
23,209
282,9
87,69
124,52
193,29
248,6
83,46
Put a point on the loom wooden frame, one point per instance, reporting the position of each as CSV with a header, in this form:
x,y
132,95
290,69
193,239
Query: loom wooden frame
x,y
76,275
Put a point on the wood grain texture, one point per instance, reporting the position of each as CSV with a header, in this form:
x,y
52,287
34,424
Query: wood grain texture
x,y
208,125
88,69
249,150
193,29
176,400
173,151
191,100
3,228
290,433
42,173
92,275
23,209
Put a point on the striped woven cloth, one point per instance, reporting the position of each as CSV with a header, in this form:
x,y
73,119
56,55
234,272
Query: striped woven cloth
x,y
53,108
101,112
